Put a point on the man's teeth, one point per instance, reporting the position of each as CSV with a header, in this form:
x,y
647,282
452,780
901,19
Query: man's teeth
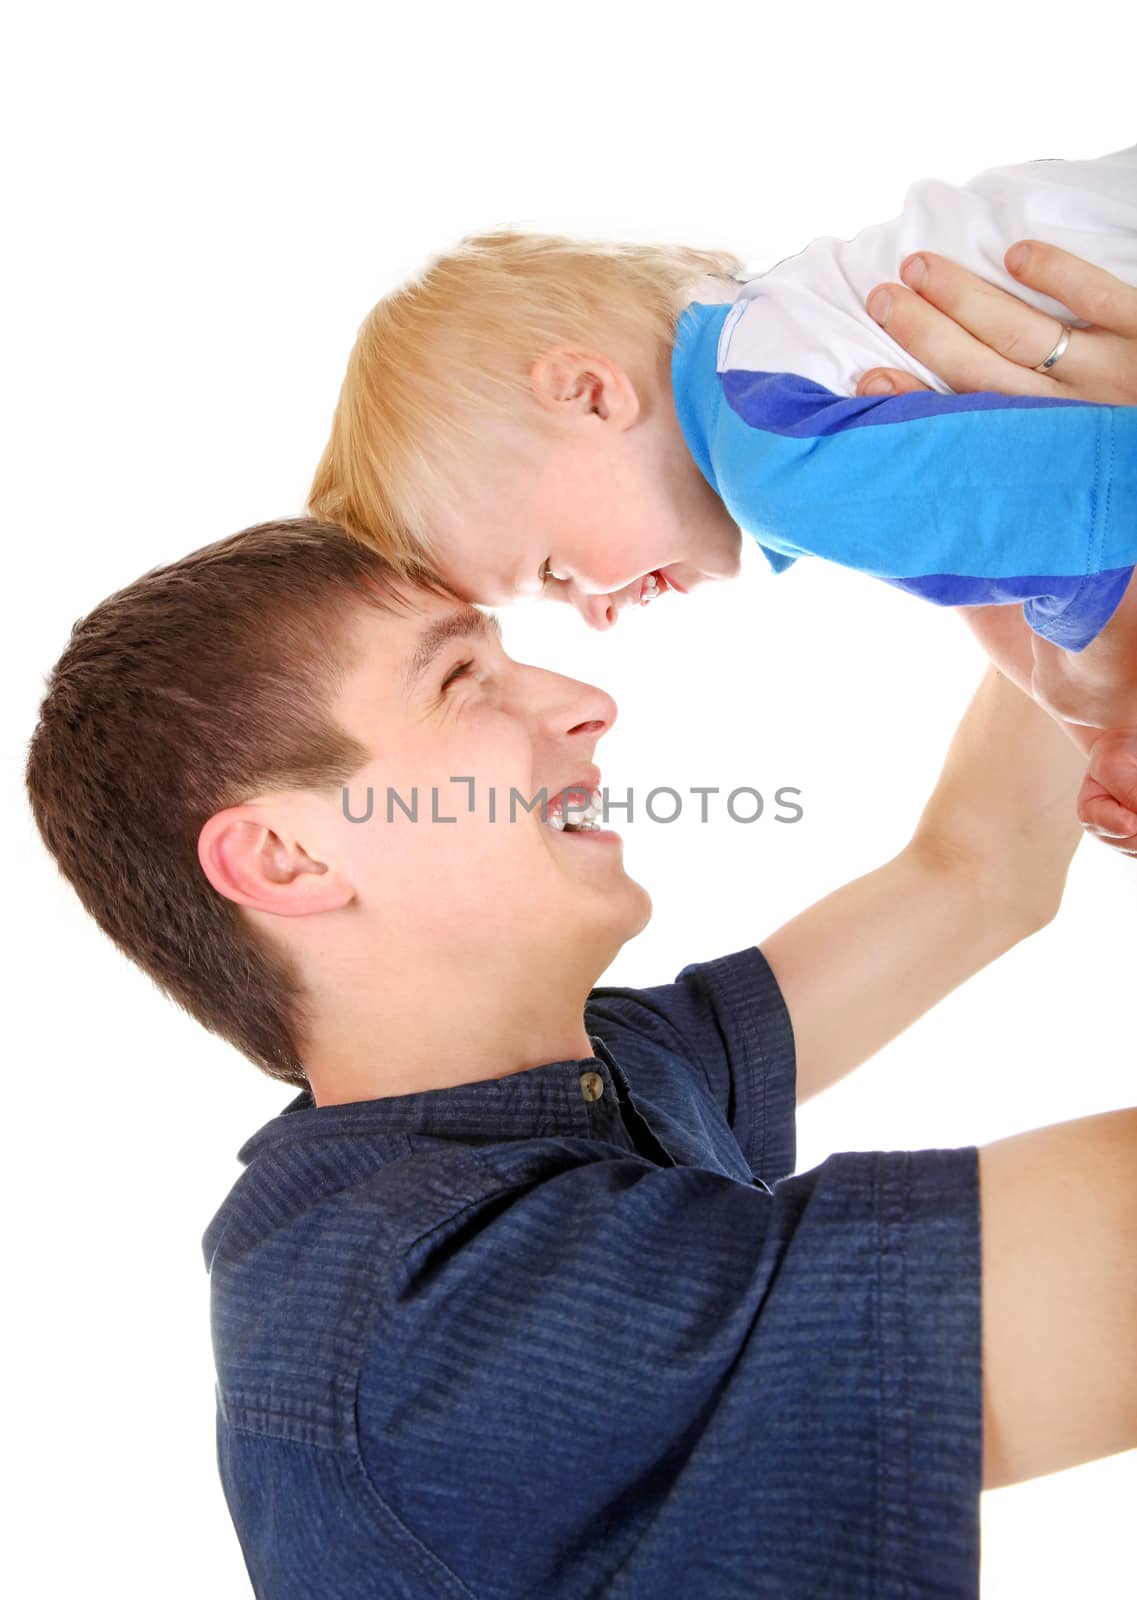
x,y
582,819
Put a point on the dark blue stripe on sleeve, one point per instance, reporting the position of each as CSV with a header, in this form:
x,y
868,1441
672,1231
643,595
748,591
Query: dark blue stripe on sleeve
x,y
1070,612
798,408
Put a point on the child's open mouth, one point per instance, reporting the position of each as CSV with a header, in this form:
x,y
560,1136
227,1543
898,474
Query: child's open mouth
x,y
654,584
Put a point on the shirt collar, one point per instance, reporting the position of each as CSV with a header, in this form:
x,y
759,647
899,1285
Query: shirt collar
x,y
536,1102
695,381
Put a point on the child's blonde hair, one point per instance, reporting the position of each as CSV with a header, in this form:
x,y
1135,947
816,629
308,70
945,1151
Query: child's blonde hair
x,y
442,360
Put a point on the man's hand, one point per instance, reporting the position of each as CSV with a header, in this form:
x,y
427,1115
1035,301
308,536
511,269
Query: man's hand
x,y
1107,803
978,337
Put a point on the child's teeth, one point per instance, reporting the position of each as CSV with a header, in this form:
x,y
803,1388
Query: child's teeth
x,y
597,800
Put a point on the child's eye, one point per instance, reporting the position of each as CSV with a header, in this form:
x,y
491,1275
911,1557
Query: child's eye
x,y
547,575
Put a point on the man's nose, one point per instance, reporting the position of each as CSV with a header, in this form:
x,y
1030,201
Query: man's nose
x,y
568,708
590,714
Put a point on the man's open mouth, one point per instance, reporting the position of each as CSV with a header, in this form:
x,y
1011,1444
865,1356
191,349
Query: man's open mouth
x,y
575,811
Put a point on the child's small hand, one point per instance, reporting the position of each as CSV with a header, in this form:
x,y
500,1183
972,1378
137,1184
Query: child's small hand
x,y
1107,803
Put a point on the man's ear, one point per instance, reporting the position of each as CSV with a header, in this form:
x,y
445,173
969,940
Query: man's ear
x,y
579,383
255,865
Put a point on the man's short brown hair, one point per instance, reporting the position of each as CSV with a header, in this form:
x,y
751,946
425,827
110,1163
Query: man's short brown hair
x,y
200,686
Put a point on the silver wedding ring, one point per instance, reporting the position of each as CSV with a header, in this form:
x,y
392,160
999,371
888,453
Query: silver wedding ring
x,y
1056,354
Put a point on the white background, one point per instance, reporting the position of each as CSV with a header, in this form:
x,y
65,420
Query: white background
x,y
205,201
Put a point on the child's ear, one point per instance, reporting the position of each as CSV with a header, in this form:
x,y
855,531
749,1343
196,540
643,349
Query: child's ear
x,y
581,384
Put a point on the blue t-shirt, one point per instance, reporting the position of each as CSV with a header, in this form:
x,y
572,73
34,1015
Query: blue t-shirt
x,y
962,499
577,1331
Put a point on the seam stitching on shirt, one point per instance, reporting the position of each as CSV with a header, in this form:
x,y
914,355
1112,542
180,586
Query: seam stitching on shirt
x,y
726,336
270,1414
419,1546
681,1041
470,1203
764,1068
355,1454
421,1549
878,1324
784,1018
756,1062
753,1054
905,1212
687,1054
725,1038
1094,541
1107,418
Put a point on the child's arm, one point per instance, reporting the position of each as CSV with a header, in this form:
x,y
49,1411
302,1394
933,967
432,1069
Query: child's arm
x,y
963,500
1098,686
1088,692
1005,636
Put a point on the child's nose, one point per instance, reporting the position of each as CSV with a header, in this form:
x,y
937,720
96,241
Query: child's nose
x,y
598,610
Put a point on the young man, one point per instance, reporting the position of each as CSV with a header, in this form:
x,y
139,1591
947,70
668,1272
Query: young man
x,y
519,1294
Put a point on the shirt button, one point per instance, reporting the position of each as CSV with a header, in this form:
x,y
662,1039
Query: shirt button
x,y
591,1085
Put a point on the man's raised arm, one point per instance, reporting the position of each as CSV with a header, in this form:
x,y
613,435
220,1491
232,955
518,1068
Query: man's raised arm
x,y
985,868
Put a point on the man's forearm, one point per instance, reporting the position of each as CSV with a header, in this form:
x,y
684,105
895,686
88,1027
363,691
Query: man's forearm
x,y
1004,803
861,966
985,867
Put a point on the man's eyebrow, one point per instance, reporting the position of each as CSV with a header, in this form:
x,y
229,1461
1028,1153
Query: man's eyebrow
x,y
466,624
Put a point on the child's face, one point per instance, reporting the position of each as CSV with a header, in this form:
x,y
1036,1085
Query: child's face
x,y
616,517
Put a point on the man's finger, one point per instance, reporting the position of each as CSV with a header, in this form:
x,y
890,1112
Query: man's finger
x,y
1113,764
1101,813
1090,292
961,360
1018,332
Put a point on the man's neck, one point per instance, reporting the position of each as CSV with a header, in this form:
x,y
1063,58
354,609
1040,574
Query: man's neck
x,y
409,1032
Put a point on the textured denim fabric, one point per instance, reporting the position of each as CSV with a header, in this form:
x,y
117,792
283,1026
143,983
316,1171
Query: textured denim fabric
x,y
578,1332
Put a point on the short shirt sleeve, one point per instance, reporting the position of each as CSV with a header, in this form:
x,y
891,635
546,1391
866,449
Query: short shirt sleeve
x,y
961,499
620,1379
974,499
725,1023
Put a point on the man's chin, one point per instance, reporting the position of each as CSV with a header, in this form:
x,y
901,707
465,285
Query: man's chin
x,y
637,913
608,946
624,916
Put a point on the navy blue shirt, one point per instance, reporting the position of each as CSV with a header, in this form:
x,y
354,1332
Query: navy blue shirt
x,y
579,1331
